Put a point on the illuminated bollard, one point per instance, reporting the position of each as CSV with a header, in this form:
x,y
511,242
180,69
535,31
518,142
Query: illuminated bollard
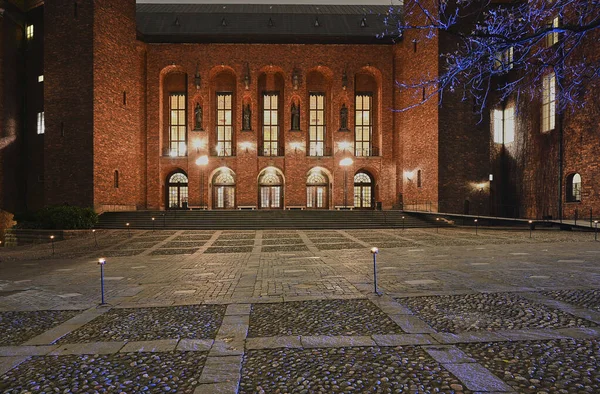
x,y
101,263
374,251
52,240
437,225
128,230
596,230
530,227
95,239
153,223
402,222
476,226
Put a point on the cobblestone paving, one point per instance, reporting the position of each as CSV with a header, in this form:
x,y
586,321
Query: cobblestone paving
x,y
585,298
556,366
18,327
230,249
488,311
144,324
163,252
174,372
343,370
327,317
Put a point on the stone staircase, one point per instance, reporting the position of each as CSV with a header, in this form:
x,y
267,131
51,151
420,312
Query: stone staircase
x,y
262,219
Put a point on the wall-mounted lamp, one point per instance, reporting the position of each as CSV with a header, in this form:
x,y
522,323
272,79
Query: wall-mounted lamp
x,y
491,177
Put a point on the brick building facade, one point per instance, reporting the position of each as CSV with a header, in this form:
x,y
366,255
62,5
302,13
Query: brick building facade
x,y
122,107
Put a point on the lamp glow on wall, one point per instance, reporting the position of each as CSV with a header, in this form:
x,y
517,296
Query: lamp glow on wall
x,y
202,162
247,146
409,175
198,144
345,163
296,146
344,145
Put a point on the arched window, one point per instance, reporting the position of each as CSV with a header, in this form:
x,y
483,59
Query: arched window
x,y
177,189
317,187
363,190
224,189
574,188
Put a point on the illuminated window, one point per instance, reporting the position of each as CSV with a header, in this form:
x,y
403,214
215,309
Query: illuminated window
x,y
363,190
363,124
316,127
548,102
316,190
574,188
41,78
224,124
270,124
177,125
504,124
41,124
552,38
29,32
504,60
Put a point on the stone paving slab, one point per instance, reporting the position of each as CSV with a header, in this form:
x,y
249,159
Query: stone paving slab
x,y
448,354
477,378
217,388
88,348
529,335
162,345
412,324
194,345
580,333
9,351
238,309
466,337
274,342
221,370
8,363
325,341
402,339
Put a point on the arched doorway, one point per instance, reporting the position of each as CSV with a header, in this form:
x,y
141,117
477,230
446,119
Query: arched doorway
x,y
177,191
224,189
363,190
317,187
270,184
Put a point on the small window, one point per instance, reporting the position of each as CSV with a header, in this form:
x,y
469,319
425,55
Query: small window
x,y
116,180
41,78
548,102
29,32
41,125
504,60
574,188
419,179
503,122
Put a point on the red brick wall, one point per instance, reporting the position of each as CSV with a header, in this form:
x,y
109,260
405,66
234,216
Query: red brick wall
x,y
329,61
68,96
118,97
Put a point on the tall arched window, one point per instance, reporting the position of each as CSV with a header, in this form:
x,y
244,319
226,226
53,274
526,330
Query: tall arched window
x,y
317,186
224,190
574,188
177,191
175,113
363,190
270,185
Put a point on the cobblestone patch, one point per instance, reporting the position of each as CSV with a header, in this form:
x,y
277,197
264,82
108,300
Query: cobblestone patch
x,y
332,239
285,248
282,241
358,369
183,244
223,237
585,298
138,245
323,317
556,366
278,235
243,249
339,246
173,372
146,324
121,252
192,237
488,311
164,252
19,327
234,243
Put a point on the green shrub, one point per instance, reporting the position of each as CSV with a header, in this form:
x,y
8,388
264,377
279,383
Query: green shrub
x,y
62,217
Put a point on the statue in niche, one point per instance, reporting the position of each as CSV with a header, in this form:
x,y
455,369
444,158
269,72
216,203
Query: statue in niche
x,y
198,117
344,118
246,116
295,116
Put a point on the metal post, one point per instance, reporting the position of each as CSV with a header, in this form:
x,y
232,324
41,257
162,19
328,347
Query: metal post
x,y
437,225
374,251
403,223
530,227
52,240
596,231
153,223
128,230
95,239
346,188
101,262
476,226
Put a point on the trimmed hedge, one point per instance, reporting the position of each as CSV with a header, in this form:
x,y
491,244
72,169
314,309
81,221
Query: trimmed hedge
x,y
58,218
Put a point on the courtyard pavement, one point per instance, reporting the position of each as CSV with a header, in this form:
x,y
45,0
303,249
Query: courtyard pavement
x,y
295,312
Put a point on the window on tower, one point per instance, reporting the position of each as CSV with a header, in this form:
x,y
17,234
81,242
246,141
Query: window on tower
x,y
224,124
549,102
363,124
177,125
316,127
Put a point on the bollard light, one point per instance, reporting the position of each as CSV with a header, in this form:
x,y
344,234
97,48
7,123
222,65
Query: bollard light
x,y
476,226
101,262
530,227
153,221
128,230
402,222
52,240
437,225
95,239
375,251
596,230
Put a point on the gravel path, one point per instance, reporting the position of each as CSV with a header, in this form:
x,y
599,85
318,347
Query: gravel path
x,y
327,317
144,324
174,372
345,370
